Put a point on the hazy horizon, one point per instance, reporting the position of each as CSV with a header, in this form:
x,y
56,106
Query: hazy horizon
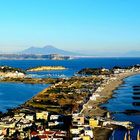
x,y
85,26
94,53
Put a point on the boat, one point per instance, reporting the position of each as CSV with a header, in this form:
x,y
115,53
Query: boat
x,y
138,135
129,136
125,136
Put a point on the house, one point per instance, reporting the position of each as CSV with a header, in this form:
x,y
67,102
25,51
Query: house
x,y
93,98
61,133
4,131
75,131
54,117
30,117
9,125
88,132
93,122
42,115
86,138
78,119
23,123
19,116
34,134
1,137
11,131
49,135
76,138
55,123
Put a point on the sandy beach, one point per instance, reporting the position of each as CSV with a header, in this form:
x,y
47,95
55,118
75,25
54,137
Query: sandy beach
x,y
92,108
105,94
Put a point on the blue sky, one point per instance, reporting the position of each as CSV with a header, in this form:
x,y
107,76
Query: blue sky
x,y
75,25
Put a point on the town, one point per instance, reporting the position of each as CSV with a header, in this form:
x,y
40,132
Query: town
x,y
68,109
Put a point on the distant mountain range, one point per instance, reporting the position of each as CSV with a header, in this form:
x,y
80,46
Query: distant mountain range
x,y
47,50
87,53
132,54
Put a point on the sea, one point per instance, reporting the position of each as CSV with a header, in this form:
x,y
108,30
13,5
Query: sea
x,y
124,106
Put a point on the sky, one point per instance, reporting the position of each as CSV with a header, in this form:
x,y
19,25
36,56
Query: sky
x,y
87,26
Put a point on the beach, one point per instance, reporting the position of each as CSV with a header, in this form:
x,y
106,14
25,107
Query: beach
x,y
91,108
105,94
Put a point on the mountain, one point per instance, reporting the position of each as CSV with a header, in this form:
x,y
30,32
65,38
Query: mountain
x,y
46,50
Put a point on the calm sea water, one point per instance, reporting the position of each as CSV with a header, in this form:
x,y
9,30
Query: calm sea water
x,y
12,94
73,65
126,98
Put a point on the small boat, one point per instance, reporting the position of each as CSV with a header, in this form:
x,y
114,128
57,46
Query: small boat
x,y
129,136
125,136
138,135
113,133
136,103
136,86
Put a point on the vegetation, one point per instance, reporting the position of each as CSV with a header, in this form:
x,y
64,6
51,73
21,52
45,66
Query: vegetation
x,y
94,71
10,69
64,97
30,80
103,71
45,68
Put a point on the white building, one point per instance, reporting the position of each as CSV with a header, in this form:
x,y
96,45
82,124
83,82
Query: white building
x,y
88,132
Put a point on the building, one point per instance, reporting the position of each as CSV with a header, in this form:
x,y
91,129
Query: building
x,y
54,117
93,122
30,117
78,119
88,132
42,115
86,138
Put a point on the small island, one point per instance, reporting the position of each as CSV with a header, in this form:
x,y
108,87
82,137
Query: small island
x,y
46,68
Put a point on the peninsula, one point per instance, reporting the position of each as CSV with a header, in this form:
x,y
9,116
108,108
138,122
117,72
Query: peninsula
x,y
82,93
72,106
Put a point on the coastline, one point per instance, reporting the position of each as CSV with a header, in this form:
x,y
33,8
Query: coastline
x,y
107,86
97,110
116,83
92,108
105,94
